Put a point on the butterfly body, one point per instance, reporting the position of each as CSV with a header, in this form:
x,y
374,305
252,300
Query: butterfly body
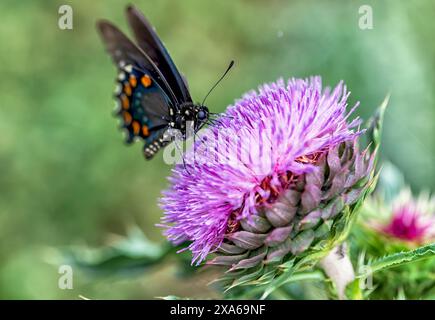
x,y
151,94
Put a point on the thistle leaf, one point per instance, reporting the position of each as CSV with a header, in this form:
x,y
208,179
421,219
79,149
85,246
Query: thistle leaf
x,y
133,253
401,258
245,279
374,130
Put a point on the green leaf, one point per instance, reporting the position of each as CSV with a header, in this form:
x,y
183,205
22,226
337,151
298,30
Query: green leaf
x,y
401,258
374,130
353,290
245,279
276,283
131,254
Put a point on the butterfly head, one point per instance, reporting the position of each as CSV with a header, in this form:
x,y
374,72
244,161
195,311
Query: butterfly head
x,y
198,114
202,114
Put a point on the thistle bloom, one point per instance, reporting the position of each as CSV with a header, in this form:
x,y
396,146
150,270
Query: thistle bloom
x,y
264,181
411,220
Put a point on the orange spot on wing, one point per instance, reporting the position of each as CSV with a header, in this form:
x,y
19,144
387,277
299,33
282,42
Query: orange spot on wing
x,y
146,81
133,81
145,131
136,127
127,118
127,89
124,101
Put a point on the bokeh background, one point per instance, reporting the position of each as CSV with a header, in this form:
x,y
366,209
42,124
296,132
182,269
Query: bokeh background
x,y
66,177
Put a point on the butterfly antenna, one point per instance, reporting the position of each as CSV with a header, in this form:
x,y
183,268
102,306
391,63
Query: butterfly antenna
x,y
220,114
217,82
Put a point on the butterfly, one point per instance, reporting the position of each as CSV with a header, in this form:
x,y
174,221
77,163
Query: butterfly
x,y
151,94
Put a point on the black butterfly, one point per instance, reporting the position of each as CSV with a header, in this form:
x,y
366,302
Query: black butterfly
x,y
151,93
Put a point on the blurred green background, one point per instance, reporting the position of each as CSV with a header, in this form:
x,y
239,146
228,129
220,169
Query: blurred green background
x,y
67,178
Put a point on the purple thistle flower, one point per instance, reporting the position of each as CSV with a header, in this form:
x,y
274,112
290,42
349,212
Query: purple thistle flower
x,y
278,139
411,220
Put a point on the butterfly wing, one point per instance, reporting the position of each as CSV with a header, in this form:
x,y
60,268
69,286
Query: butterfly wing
x,y
124,52
150,43
145,104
